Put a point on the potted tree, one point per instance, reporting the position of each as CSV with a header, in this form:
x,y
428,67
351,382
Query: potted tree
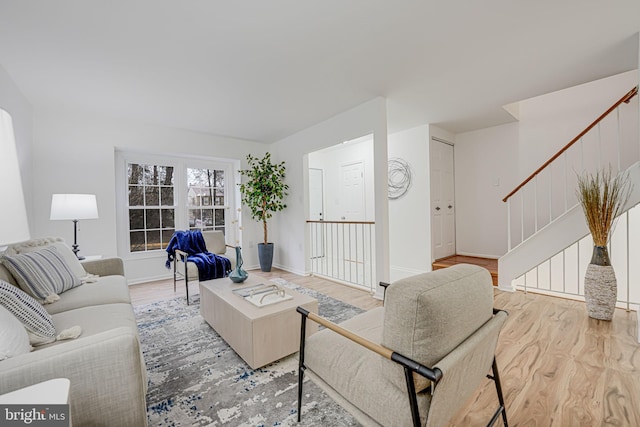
x,y
602,197
263,192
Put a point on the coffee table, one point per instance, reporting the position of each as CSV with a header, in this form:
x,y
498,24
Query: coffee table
x,y
260,335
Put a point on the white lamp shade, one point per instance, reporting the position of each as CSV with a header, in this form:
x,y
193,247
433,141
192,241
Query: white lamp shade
x,y
73,206
14,225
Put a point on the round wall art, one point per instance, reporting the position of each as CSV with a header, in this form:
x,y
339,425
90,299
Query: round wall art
x,y
399,178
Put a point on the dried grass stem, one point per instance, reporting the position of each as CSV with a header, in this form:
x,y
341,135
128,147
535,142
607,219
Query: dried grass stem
x,y
602,197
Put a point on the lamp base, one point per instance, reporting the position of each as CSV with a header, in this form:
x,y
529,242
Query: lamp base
x,y
75,240
75,251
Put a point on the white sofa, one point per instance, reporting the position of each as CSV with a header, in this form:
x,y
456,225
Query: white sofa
x,y
104,364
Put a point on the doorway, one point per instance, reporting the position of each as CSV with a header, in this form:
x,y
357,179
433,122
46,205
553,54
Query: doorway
x,y
341,214
443,223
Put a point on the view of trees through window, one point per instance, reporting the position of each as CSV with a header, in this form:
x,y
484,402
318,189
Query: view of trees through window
x,y
151,206
205,198
153,203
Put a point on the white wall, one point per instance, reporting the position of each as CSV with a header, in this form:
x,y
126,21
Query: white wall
x,y
331,160
548,122
409,220
289,225
14,102
485,171
74,153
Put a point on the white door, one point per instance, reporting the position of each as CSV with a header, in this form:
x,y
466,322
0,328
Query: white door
x,y
443,224
352,194
316,195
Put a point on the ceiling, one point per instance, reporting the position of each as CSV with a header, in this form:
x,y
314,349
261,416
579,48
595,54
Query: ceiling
x,y
263,70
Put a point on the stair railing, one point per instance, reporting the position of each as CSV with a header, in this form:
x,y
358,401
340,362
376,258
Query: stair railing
x,y
553,208
343,251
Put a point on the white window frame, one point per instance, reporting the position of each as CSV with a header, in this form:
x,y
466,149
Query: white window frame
x,y
180,163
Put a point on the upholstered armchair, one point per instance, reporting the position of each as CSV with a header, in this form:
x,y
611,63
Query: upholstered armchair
x,y
416,360
182,268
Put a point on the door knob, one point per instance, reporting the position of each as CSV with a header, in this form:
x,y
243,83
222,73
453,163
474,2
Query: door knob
x,y
437,208
449,206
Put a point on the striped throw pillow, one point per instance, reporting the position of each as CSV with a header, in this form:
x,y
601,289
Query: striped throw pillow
x,y
42,273
29,312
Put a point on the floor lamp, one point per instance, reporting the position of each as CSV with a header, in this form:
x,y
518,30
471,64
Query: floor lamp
x,y
14,226
74,207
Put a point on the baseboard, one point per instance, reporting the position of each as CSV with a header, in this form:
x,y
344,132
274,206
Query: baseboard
x,y
149,279
506,288
291,270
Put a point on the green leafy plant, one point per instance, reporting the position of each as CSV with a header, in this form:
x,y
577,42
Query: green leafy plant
x,y
602,197
264,190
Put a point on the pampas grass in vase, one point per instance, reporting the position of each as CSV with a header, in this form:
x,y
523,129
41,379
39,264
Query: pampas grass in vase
x,y
602,197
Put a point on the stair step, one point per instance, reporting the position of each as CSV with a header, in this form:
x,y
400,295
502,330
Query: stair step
x,y
488,263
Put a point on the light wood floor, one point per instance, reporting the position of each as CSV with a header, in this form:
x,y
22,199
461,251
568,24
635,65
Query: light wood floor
x,y
488,263
558,367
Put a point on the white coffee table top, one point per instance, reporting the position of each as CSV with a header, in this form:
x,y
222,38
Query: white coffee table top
x,y
224,288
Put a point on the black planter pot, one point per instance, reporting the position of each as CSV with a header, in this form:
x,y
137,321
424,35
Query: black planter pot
x,y
265,255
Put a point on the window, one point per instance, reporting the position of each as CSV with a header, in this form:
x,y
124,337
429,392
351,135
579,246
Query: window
x,y
159,194
151,206
205,199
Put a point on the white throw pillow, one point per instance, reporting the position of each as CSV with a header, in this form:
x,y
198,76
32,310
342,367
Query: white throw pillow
x,y
14,339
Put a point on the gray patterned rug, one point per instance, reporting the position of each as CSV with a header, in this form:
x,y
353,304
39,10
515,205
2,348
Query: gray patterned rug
x,y
196,379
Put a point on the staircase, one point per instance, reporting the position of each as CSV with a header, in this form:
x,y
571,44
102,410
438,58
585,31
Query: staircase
x,y
548,240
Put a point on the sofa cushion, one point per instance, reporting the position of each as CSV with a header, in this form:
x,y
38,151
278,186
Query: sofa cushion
x,y
105,290
14,339
430,314
42,273
63,249
29,312
95,319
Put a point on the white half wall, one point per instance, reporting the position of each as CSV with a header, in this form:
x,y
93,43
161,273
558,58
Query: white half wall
x,y
74,153
409,222
289,226
485,171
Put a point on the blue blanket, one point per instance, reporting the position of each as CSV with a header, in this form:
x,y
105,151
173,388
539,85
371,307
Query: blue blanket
x,y
210,266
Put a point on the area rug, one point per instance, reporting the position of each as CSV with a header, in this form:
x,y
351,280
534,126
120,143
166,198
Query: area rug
x,y
196,379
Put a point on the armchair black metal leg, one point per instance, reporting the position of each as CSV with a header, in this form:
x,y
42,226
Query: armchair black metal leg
x,y
175,262
496,377
186,280
413,400
301,367
501,409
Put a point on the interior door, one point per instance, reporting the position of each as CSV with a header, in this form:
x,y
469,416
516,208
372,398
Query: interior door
x,y
443,225
352,194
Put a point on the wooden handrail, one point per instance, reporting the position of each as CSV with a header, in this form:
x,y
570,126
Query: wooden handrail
x,y
626,99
